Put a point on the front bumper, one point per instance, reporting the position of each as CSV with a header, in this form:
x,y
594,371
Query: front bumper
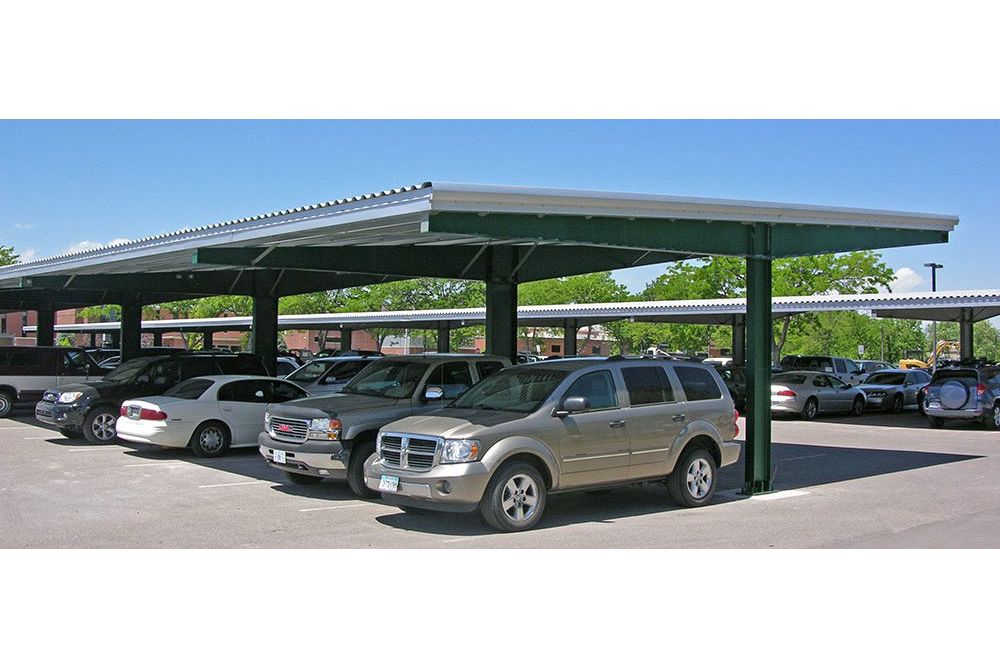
x,y
465,485
324,459
60,415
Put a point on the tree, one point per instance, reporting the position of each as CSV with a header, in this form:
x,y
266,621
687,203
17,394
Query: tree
x,y
596,288
313,302
8,256
985,338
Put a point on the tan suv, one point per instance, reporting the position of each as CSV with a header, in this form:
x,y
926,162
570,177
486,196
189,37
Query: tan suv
x,y
556,426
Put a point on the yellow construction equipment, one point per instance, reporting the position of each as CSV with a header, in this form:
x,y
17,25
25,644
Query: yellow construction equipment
x,y
946,350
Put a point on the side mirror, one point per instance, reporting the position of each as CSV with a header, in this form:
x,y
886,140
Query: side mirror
x,y
572,405
433,393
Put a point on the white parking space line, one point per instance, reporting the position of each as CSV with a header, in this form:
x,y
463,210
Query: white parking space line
x,y
350,505
38,438
774,496
157,464
235,484
98,449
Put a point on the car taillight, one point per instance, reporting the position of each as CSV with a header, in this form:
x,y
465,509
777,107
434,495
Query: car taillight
x,y
980,389
150,414
786,393
736,422
123,411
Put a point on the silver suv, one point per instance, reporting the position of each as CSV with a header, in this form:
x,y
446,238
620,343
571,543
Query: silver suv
x,y
556,426
964,393
331,436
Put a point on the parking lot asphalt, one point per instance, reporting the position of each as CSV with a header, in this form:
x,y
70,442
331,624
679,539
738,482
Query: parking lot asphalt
x,y
875,481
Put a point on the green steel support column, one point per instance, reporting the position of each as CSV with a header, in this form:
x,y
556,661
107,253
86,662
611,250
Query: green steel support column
x,y
569,337
346,338
965,336
114,339
444,339
501,303
207,340
45,335
157,338
131,330
740,341
759,341
265,330
93,339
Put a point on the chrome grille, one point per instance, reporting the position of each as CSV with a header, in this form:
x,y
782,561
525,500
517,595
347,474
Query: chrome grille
x,y
407,451
289,430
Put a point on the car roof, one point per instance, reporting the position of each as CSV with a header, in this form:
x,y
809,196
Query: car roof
x,y
432,356
225,378
344,358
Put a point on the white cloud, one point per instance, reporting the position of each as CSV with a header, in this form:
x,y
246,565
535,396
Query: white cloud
x,y
24,226
906,280
89,245
26,255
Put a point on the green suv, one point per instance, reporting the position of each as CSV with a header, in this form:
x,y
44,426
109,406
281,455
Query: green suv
x,y
562,425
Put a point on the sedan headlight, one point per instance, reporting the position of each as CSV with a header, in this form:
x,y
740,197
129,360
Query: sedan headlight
x,y
324,429
69,397
456,451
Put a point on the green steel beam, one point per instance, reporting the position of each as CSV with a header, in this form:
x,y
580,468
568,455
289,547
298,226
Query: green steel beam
x,y
697,237
532,263
759,332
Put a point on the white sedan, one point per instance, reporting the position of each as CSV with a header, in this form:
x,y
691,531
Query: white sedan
x,y
208,414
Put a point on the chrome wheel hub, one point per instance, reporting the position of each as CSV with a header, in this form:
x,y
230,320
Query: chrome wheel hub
x,y
699,478
210,439
103,426
520,498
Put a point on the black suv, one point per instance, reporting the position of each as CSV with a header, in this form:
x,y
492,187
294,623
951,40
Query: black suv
x,y
965,391
92,408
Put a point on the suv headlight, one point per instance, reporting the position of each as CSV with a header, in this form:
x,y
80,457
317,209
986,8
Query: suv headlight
x,y
267,421
455,451
68,397
324,429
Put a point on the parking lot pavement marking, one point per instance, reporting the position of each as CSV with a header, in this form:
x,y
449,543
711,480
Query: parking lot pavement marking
x,y
774,496
38,438
98,449
234,484
350,505
157,464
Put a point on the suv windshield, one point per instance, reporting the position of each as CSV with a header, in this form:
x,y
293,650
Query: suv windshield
x,y
886,379
521,390
126,372
393,380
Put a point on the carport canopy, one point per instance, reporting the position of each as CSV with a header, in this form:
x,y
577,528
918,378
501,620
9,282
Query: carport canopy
x,y
502,235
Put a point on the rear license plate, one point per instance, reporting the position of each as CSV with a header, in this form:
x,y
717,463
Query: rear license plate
x,y
388,483
134,411
934,404
279,456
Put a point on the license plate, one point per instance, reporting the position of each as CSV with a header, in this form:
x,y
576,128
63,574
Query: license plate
x,y
279,456
934,404
134,412
388,483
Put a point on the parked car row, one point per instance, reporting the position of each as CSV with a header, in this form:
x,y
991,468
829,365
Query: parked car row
x,y
458,433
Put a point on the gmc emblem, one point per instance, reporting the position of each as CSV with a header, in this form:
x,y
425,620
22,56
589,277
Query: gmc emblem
x,y
283,427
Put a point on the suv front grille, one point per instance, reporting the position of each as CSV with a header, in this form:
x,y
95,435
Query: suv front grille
x,y
408,451
289,429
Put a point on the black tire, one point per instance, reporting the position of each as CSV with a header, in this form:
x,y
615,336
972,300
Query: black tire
x,y
70,433
6,404
698,463
897,404
303,479
810,410
858,407
99,425
936,422
992,418
530,485
356,470
920,403
211,439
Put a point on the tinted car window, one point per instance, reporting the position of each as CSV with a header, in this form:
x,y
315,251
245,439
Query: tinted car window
x,y
245,391
310,372
597,388
790,378
285,368
165,372
884,378
839,366
242,364
282,392
487,369
198,366
392,379
647,385
920,377
75,362
453,377
698,384
343,372
189,389
821,381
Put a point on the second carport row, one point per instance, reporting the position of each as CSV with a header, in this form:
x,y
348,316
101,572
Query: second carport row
x,y
497,234
965,307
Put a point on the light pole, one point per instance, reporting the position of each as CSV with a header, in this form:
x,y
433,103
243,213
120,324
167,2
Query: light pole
x,y
934,266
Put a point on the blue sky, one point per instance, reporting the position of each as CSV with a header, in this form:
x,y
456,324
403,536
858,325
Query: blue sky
x,y
67,184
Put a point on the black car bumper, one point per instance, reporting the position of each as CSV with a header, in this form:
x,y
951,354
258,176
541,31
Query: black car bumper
x,y
60,415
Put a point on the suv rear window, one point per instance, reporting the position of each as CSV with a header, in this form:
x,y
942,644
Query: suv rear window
x,y
243,364
698,384
647,385
947,374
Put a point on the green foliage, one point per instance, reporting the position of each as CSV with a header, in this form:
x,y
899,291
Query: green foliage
x,y
985,338
7,255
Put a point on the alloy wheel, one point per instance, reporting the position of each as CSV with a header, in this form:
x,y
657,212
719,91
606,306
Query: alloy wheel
x,y
996,416
520,497
103,426
699,478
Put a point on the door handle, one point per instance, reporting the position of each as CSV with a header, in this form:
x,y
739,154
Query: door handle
x,y
679,418
616,424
